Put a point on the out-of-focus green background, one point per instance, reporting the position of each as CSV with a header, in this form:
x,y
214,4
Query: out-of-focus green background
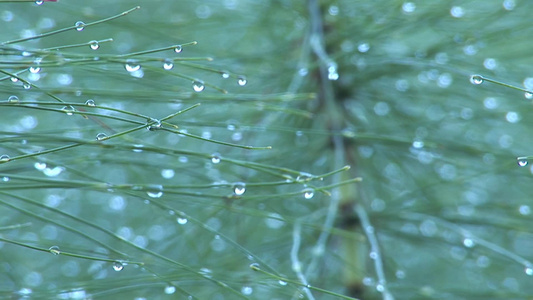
x,y
443,210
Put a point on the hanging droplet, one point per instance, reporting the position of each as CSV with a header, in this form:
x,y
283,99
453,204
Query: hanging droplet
x,y
39,2
178,49
529,270
242,81
255,266
90,102
80,26
522,161
94,45
283,283
239,188
132,66
26,86
35,69
39,166
182,221
170,289
101,136
14,79
118,266
476,79
54,250
225,74
215,158
528,95
198,86
308,193
168,64
4,158
154,125
69,110
13,99
155,191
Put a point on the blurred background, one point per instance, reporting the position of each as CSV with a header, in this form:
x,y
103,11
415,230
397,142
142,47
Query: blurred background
x,y
200,150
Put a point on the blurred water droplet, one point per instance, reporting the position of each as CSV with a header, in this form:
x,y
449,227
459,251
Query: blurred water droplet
x,y
247,290
457,12
182,221
170,289
155,125
168,64
178,49
524,210
155,191
255,266
242,81
101,136
132,65
225,74
54,250
94,45
476,79
118,266
4,158
198,86
14,79
13,99
408,7
522,161
90,102
363,47
26,86
469,243
53,172
308,193
283,283
35,69
39,2
39,166
167,173
528,95
529,271
215,158
80,26
239,188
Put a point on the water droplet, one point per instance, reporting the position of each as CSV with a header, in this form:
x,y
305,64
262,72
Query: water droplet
x,y
528,95
522,161
101,136
13,99
170,289
308,193
524,210
154,125
332,71
53,172
215,158
255,267
14,79
168,64
167,173
39,166
80,26
90,102
132,66
476,79
239,188
225,74
94,45
247,290
373,255
182,221
69,110
469,243
304,177
39,2
178,49
529,271
35,69
118,266
155,191
54,250
198,86
242,81
4,158
283,283
26,86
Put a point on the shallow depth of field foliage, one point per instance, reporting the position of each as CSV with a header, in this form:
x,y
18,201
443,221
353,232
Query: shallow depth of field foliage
x,y
239,149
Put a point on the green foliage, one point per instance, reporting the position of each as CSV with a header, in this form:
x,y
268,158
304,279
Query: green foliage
x,y
264,150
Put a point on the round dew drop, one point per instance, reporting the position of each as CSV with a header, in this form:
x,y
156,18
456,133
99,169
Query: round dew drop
x,y
170,289
522,161
242,81
132,66
239,188
215,158
308,193
90,102
80,26
178,49
39,2
198,86
101,136
225,74
118,266
168,64
476,79
94,45
35,70
13,99
54,250
4,158
529,271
